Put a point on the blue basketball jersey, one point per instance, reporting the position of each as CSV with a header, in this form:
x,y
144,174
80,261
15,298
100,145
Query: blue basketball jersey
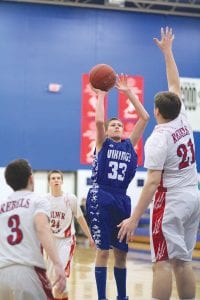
x,y
115,164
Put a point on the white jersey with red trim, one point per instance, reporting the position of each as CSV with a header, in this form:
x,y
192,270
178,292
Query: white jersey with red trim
x,y
63,210
171,148
18,241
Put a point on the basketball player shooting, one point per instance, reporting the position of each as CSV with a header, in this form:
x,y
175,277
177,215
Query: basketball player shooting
x,y
114,166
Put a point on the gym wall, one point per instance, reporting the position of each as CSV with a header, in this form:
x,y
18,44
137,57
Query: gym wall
x,y
42,44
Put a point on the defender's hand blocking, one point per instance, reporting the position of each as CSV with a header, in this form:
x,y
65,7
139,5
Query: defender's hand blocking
x,y
167,38
121,83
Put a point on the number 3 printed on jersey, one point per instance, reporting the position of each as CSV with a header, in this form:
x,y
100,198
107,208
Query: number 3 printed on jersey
x,y
186,152
118,170
17,236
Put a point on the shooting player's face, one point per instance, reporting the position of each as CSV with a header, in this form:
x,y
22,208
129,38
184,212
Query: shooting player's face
x,y
115,129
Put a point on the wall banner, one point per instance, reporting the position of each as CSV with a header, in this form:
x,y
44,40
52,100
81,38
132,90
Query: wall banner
x,y
89,99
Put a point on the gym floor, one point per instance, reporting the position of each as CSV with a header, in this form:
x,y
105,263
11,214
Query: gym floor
x,y
81,283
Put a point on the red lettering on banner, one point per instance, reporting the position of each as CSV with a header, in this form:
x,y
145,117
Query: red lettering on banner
x,y
89,100
127,113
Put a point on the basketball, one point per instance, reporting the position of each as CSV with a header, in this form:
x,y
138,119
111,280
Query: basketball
x,y
102,77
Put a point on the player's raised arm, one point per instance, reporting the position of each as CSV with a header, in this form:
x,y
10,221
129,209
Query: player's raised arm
x,y
165,45
102,78
100,119
142,113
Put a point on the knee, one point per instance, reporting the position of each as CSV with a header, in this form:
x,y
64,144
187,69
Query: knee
x,y
102,256
180,266
120,259
161,266
121,264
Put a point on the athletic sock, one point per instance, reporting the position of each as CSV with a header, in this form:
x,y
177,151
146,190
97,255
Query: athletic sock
x,y
100,275
120,278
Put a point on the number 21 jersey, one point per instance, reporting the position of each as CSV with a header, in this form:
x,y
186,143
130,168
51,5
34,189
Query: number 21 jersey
x,y
171,148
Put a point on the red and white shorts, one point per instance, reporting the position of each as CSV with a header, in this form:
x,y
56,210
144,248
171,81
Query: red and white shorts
x,y
175,219
21,282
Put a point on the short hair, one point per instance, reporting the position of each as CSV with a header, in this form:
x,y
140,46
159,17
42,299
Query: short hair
x,y
169,104
17,174
54,171
110,120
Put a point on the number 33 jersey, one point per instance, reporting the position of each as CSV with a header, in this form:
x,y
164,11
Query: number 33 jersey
x,y
18,241
115,164
171,148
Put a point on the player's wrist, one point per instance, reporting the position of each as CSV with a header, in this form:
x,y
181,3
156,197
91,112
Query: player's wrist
x,y
128,92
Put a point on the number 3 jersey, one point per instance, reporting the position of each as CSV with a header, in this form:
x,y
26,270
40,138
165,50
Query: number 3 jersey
x,y
171,148
18,241
115,164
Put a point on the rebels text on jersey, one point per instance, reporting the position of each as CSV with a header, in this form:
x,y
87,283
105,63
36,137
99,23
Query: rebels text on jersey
x,y
18,240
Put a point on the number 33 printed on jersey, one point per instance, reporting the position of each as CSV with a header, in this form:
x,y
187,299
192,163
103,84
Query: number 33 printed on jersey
x,y
118,170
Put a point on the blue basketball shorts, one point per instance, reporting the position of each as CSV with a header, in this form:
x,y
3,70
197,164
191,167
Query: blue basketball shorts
x,y
105,210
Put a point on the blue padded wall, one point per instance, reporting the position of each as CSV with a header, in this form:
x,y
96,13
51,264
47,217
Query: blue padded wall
x,y
46,43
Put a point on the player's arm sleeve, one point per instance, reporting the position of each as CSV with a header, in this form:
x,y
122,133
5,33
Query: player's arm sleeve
x,y
155,151
77,212
42,205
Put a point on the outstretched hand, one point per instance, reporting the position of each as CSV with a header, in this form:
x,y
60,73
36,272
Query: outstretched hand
x,y
121,83
167,37
127,229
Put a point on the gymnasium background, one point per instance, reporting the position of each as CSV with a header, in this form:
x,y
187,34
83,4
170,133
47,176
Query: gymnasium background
x,y
48,48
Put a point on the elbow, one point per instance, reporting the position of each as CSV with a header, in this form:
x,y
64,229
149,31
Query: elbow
x,y
154,178
146,118
42,230
155,183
